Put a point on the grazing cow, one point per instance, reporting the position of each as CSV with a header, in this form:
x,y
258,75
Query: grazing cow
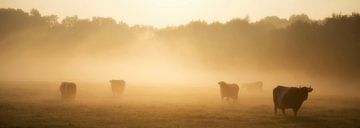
x,y
117,87
228,91
290,97
68,90
253,87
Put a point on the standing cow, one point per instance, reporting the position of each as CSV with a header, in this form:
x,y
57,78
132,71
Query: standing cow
x,y
253,87
68,90
117,87
290,97
228,91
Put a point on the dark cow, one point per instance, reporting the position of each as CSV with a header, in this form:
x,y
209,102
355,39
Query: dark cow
x,y
68,90
290,97
117,87
228,91
253,87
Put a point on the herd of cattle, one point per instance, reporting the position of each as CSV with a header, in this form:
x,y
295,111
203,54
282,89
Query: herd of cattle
x,y
283,97
68,89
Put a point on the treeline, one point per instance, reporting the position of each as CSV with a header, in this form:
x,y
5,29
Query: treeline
x,y
329,47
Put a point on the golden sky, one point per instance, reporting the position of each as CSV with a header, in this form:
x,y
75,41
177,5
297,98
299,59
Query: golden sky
x,y
162,13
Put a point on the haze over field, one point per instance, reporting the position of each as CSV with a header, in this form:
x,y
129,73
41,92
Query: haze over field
x,y
36,47
166,58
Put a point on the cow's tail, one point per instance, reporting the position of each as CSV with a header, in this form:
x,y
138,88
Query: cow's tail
x,y
275,100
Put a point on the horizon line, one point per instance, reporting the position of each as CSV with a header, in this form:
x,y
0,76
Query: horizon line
x,y
247,17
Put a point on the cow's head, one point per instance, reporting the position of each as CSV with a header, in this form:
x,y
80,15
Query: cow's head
x,y
304,91
221,83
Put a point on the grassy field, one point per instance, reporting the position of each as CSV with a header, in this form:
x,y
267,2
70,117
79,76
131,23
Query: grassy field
x,y
38,104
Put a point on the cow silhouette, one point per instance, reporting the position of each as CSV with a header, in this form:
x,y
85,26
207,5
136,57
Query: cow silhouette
x,y
118,87
290,98
228,91
68,90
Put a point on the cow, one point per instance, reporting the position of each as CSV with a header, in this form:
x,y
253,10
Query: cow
x,y
117,87
228,91
68,90
253,87
290,98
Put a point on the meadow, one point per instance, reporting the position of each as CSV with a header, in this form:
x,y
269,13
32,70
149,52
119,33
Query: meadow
x,y
39,105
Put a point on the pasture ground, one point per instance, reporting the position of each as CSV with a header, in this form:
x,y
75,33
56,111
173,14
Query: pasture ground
x,y
38,105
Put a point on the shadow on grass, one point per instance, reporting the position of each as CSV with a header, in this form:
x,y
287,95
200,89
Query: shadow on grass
x,y
307,122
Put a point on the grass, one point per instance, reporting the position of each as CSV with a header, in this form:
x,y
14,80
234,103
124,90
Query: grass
x,y
33,105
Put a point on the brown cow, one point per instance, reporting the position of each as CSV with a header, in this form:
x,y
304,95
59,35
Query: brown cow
x,y
228,91
68,90
290,97
117,87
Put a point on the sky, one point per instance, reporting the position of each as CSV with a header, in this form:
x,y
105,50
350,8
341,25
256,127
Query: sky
x,y
162,13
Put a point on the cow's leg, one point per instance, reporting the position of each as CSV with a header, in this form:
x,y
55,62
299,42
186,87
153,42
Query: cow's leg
x,y
222,99
67,92
295,111
283,111
234,99
275,103
73,92
228,99
113,89
275,109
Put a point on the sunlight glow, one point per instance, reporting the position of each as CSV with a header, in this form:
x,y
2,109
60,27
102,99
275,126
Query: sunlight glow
x,y
161,13
170,3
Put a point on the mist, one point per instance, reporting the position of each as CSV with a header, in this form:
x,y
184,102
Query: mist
x,y
296,50
99,72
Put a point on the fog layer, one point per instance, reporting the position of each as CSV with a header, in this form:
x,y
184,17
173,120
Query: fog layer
x,y
296,50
